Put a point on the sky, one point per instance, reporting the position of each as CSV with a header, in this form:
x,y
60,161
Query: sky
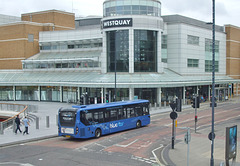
x,y
227,11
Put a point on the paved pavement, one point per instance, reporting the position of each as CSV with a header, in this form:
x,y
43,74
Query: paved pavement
x,y
199,146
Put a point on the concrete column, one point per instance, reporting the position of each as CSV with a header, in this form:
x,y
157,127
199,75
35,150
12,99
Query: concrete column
x,y
79,94
159,96
184,95
131,93
102,95
14,93
39,93
131,50
61,94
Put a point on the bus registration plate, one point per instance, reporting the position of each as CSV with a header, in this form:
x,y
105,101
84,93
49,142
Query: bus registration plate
x,y
68,130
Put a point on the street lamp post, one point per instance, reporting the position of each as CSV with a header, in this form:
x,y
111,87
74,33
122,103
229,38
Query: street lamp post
x,y
213,81
115,69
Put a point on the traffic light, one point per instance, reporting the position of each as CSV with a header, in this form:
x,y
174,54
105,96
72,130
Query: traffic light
x,y
81,100
107,98
179,105
194,103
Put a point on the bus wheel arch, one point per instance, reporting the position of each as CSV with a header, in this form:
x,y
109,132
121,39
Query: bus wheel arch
x,y
98,133
138,124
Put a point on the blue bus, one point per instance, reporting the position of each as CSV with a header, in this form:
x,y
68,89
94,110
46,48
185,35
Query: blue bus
x,y
86,121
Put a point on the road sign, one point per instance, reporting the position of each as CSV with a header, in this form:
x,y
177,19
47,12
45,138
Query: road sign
x,y
173,115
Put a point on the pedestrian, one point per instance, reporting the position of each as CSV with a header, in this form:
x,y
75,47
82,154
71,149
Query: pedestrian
x,y
17,121
26,124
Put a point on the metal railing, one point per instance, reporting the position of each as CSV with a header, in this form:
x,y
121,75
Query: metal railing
x,y
21,110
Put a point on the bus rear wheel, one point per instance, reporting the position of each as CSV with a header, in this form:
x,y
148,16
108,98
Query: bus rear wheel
x,y
138,125
98,133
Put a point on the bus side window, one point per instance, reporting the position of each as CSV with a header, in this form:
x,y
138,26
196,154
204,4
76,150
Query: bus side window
x,y
131,112
121,114
100,116
145,110
106,116
114,114
95,117
83,118
138,110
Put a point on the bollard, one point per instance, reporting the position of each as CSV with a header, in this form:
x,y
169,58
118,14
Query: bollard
x,y
47,121
155,105
1,128
57,120
37,123
14,126
165,104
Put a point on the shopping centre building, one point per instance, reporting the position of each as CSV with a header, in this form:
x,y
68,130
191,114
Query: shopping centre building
x,y
131,52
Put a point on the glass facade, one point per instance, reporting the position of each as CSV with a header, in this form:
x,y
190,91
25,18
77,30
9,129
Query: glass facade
x,y
6,93
70,94
164,49
27,93
50,93
145,51
132,7
146,93
118,47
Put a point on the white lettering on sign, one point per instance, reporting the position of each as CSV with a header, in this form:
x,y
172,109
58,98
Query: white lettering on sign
x,y
115,125
112,125
117,22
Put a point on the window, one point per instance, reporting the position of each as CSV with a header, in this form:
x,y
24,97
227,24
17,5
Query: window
x,y
208,66
192,62
114,114
145,51
118,47
138,110
194,40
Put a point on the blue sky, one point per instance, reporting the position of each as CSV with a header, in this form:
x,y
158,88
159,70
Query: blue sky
x,y
227,11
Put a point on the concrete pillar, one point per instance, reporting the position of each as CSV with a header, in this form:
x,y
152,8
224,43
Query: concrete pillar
x,y
61,94
39,93
14,93
131,93
159,96
102,95
184,95
79,94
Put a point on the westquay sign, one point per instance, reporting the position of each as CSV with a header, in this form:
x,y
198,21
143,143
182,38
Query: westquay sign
x,y
121,22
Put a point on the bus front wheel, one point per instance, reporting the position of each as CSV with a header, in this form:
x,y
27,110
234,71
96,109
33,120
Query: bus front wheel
x,y
98,133
138,125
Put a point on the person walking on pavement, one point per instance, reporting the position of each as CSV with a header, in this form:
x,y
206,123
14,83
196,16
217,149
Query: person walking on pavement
x,y
26,124
17,121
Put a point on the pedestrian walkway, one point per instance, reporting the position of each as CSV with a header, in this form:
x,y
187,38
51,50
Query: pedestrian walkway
x,y
200,148
44,109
